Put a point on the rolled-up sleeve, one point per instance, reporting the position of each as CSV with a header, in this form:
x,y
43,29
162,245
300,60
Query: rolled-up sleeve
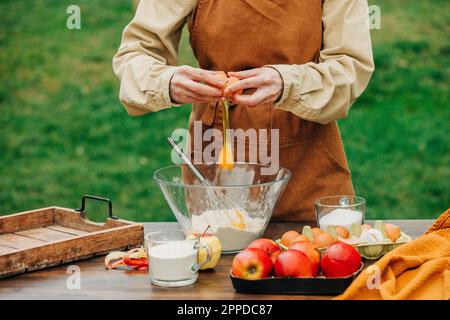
x,y
323,92
148,54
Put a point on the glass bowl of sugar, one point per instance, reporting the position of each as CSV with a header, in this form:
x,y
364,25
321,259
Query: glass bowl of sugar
x,y
341,210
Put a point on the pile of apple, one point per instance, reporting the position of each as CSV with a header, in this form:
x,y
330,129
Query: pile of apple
x,y
264,258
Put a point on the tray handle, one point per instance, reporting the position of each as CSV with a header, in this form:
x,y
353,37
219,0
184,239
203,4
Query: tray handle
x,y
108,201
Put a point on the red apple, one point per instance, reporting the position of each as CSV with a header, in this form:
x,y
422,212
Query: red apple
x,y
252,264
311,251
293,263
268,245
275,255
340,260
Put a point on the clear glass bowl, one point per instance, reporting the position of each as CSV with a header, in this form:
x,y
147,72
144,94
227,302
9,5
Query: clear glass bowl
x,y
236,208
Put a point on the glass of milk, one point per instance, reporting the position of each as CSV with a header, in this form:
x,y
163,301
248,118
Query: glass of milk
x,y
340,211
173,258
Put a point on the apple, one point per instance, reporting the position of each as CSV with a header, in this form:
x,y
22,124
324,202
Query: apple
x,y
214,245
311,252
252,264
194,234
268,245
340,260
293,263
275,255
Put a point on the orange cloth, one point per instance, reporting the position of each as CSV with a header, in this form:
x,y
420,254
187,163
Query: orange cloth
x,y
416,270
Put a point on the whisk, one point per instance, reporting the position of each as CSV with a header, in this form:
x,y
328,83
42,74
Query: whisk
x,y
215,196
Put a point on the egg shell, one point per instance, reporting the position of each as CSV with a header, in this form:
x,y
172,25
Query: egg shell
x,y
371,236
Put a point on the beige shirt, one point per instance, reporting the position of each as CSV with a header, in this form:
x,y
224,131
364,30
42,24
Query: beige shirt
x,y
320,92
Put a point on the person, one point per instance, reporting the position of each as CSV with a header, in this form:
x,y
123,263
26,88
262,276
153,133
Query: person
x,y
301,64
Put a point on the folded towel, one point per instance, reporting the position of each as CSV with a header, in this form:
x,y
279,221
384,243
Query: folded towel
x,y
419,269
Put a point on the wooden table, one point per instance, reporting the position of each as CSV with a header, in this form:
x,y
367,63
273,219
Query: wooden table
x,y
98,283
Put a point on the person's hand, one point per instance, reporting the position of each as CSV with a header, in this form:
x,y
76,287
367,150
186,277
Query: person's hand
x,y
267,82
189,85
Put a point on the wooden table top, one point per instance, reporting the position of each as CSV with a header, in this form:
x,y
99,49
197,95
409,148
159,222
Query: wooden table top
x,y
98,283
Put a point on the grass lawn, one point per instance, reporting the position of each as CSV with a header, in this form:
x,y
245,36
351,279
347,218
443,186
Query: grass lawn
x,y
64,133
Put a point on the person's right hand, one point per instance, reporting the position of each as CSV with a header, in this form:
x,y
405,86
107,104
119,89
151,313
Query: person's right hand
x,y
190,85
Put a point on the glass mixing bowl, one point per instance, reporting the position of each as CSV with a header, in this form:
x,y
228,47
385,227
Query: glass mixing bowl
x,y
236,207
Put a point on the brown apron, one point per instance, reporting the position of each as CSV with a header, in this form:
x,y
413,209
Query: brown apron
x,y
234,35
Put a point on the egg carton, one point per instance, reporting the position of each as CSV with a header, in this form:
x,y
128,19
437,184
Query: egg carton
x,y
371,251
377,250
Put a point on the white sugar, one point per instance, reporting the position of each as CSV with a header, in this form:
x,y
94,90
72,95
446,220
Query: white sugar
x,y
172,250
340,217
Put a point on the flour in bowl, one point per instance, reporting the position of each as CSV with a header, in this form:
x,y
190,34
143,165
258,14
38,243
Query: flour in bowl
x,y
234,228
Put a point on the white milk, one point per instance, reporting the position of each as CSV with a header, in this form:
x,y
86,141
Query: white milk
x,y
172,261
340,217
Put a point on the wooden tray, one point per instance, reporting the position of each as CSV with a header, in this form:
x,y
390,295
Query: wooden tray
x,y
51,236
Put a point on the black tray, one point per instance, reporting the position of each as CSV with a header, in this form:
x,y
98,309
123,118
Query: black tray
x,y
291,286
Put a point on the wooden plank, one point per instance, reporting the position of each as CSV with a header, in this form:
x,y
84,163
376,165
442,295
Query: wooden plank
x,y
45,234
6,250
19,242
99,283
76,220
26,220
71,231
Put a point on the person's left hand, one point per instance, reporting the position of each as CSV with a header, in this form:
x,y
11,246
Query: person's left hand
x,y
267,82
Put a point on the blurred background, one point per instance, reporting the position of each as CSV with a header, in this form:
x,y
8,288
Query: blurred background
x,y
64,133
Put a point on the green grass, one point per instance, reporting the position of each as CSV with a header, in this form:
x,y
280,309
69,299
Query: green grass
x,y
64,133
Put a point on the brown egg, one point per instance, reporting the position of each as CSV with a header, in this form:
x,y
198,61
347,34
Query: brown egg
x,y
342,232
324,240
316,232
288,237
298,239
392,231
